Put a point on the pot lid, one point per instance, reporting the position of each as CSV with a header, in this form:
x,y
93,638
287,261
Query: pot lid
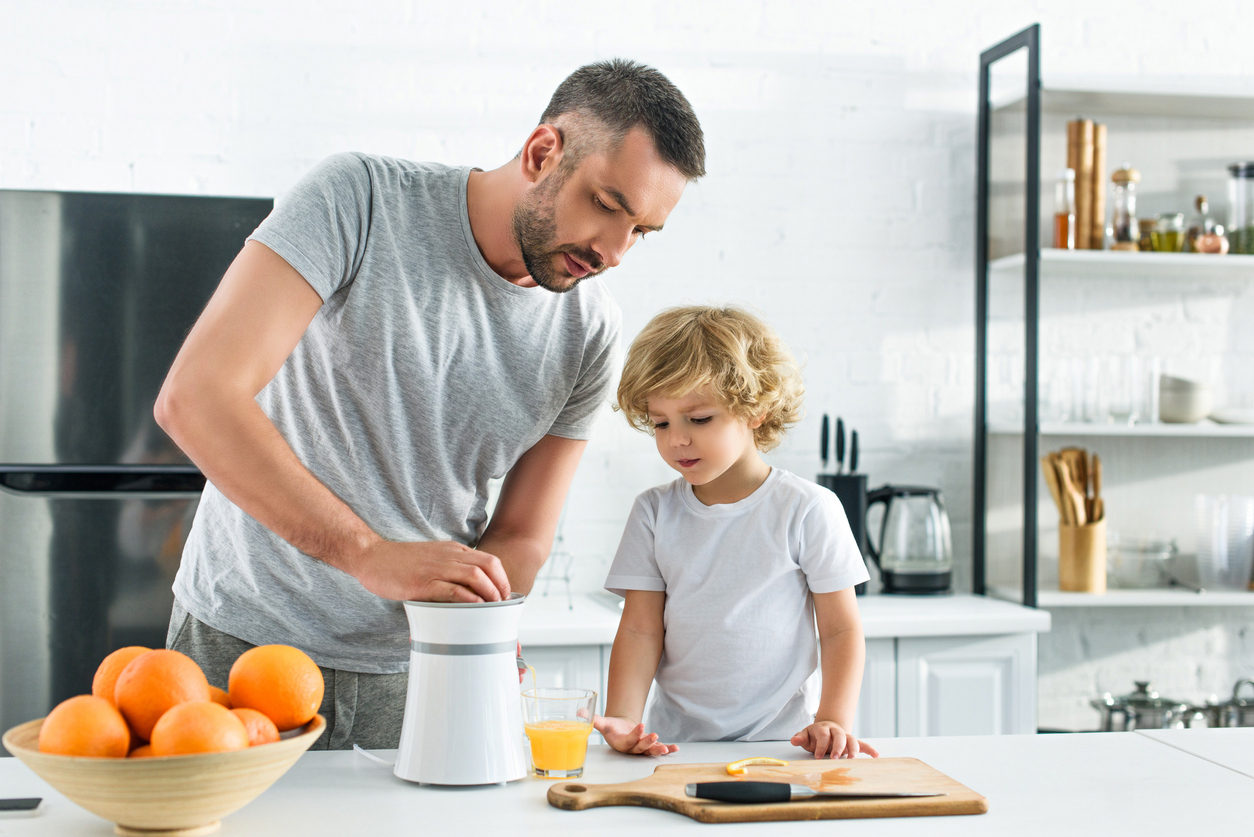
x,y
1144,698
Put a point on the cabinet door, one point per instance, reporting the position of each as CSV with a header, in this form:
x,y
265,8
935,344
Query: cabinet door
x,y
877,702
966,685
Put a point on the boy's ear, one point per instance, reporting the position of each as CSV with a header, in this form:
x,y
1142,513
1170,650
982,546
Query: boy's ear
x,y
755,423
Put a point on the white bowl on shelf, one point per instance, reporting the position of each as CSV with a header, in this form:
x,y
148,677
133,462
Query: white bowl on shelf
x,y
1181,401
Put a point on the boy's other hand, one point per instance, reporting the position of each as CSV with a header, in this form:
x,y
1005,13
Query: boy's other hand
x,y
627,736
828,739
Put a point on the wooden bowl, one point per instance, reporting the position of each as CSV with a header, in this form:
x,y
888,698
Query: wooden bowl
x,y
168,795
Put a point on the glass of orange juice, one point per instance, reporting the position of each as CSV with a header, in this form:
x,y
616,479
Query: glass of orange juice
x,y
558,723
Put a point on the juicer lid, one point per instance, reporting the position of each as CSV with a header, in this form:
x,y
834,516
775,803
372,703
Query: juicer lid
x,y
514,599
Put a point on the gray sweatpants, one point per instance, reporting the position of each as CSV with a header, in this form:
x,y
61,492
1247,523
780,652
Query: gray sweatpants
x,y
364,709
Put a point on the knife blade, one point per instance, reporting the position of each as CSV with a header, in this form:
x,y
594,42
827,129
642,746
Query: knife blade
x,y
759,792
824,432
840,445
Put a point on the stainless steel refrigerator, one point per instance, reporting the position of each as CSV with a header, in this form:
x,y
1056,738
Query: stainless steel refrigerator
x,y
97,292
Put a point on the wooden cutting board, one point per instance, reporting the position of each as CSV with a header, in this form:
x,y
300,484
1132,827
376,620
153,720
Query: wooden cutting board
x,y
665,790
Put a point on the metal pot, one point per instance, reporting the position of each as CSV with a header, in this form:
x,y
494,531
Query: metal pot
x,y
1238,712
1142,709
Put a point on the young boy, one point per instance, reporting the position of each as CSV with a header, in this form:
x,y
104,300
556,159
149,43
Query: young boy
x,y
725,570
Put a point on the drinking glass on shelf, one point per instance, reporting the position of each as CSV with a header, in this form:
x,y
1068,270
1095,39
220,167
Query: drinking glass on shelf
x,y
1123,382
1149,395
1096,403
1225,541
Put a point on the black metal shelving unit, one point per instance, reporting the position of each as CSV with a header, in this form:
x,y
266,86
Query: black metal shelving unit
x,y
1029,40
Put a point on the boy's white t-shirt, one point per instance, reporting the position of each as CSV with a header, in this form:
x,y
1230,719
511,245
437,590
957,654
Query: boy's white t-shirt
x,y
740,637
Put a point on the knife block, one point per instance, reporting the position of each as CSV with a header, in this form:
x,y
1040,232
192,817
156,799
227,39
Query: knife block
x,y
1082,557
850,489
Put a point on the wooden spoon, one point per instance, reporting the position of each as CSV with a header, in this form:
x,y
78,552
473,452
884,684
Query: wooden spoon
x,y
1079,515
1051,480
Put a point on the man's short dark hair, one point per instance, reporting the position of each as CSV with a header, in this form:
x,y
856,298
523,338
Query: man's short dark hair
x,y
619,95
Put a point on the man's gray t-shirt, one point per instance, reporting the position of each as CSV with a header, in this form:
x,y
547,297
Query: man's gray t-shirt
x,y
423,376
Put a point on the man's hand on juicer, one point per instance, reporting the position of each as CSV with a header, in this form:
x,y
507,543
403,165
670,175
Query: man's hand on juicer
x,y
627,736
430,571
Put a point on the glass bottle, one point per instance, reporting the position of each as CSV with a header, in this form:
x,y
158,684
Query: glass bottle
x,y
1241,207
1064,210
1125,231
1203,223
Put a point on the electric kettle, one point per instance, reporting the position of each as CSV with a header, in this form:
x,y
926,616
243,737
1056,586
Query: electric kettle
x,y
913,551
463,716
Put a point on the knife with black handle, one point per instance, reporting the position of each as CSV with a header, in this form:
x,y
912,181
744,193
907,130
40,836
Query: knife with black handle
x,y
824,432
760,792
853,452
840,446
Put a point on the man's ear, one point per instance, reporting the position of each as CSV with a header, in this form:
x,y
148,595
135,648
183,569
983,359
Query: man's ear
x,y
542,152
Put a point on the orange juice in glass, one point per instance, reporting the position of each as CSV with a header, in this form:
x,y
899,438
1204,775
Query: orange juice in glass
x,y
558,723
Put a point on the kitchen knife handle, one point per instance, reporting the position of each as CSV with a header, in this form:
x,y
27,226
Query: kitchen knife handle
x,y
853,452
840,444
743,791
824,432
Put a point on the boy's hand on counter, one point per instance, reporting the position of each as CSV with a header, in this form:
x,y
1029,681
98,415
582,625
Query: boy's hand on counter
x,y
626,736
828,739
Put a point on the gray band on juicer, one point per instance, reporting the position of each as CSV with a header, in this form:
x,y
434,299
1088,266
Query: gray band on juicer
x,y
441,649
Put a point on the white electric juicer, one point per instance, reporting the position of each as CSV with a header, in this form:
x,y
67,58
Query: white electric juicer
x,y
463,714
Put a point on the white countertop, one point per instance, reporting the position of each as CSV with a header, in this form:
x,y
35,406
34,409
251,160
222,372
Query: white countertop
x,y
592,618
1230,748
1047,785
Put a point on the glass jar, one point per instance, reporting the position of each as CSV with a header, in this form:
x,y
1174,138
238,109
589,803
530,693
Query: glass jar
x,y
1168,235
1064,210
1241,208
1125,233
1203,223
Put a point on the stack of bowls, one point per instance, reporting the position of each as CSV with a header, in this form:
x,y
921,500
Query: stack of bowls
x,y
1181,401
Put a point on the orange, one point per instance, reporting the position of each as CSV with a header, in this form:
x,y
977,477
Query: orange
x,y
220,697
154,682
111,667
261,730
85,726
141,752
280,682
198,726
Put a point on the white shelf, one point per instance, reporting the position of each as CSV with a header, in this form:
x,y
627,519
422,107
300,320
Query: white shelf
x,y
1131,598
1182,104
1116,263
1201,429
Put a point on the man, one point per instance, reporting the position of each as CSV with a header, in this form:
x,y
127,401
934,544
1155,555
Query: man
x,y
393,336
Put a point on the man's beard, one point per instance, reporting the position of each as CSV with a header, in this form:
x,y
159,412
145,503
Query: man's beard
x,y
535,230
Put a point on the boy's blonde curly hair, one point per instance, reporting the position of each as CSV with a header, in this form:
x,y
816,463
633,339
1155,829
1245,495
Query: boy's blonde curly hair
x,y
738,356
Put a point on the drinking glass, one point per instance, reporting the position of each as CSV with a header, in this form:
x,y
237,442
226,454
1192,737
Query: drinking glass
x,y
1225,541
558,723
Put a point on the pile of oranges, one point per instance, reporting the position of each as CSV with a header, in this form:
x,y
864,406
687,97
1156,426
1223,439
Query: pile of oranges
x,y
158,703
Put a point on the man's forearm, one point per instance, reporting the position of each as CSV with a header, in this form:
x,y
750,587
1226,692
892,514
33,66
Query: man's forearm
x,y
521,556
243,454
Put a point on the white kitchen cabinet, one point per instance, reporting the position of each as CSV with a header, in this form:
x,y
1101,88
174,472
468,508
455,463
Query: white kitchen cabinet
x,y
966,685
877,702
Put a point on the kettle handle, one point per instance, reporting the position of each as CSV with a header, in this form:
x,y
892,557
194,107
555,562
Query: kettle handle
x,y
879,495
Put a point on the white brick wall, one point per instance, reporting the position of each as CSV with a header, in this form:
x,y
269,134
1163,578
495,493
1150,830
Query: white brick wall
x,y
841,157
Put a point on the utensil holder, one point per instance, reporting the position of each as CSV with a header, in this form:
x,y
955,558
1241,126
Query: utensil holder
x,y
1082,557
